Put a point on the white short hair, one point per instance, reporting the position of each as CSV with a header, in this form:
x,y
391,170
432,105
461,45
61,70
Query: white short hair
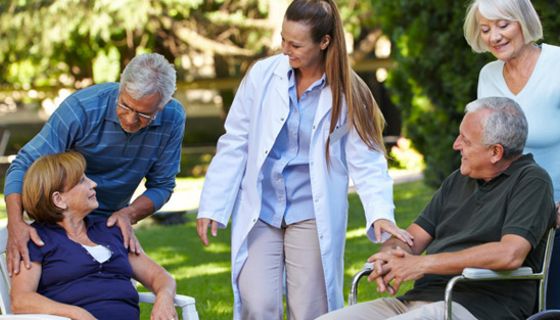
x,y
521,11
505,125
147,74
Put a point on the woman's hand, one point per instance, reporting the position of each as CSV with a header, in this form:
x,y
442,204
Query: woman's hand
x,y
164,309
202,229
381,225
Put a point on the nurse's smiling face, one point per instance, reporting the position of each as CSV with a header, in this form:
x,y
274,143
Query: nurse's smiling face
x,y
298,45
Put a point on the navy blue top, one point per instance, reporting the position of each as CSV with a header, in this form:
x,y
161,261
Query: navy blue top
x,y
71,275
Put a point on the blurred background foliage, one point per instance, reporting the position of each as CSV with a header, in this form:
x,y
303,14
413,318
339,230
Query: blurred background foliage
x,y
64,42
437,72
48,46
61,42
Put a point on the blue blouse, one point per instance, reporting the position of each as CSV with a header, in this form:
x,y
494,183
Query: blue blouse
x,y
286,187
71,275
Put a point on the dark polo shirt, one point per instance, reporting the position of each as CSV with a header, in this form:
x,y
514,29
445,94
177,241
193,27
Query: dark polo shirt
x,y
467,212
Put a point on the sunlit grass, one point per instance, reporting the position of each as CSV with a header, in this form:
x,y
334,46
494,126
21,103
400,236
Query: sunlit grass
x,y
3,213
355,233
204,272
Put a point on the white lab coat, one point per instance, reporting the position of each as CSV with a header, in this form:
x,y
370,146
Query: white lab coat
x,y
234,180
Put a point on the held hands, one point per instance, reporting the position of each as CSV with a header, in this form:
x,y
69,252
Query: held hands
x,y
202,229
393,267
18,235
122,219
163,309
381,225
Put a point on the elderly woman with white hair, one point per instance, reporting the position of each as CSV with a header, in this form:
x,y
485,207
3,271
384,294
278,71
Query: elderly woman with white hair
x,y
528,73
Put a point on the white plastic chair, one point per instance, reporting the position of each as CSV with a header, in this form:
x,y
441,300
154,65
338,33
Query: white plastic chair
x,y
186,303
476,274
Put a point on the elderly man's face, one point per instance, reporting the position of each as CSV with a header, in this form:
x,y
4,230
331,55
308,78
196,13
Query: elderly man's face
x,y
136,114
475,156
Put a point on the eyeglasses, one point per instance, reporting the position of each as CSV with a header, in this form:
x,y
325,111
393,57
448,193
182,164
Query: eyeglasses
x,y
139,115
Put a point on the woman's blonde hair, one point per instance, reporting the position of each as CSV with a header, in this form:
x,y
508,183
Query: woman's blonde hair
x,y
323,18
47,175
521,11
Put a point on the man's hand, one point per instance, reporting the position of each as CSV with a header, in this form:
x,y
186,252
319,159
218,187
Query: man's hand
x,y
399,266
19,234
122,219
381,225
379,270
202,229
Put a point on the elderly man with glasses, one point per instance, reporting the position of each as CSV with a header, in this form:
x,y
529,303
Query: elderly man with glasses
x,y
127,131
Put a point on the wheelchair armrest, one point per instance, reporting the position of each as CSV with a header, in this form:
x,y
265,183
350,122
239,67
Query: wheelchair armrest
x,y
475,274
365,271
479,274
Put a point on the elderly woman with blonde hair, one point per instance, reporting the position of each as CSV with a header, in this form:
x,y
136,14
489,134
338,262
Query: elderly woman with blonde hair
x,y
528,73
83,270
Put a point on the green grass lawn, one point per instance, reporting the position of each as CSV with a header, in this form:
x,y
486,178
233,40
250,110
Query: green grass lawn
x,y
204,272
2,207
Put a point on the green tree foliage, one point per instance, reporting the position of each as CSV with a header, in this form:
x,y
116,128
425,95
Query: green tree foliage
x,y
58,42
437,71
73,43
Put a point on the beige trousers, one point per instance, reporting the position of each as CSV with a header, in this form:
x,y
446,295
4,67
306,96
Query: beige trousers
x,y
394,309
295,249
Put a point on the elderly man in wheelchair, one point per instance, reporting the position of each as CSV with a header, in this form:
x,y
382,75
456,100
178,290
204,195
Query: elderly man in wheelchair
x,y
494,213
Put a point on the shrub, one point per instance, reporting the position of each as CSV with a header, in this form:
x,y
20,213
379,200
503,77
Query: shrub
x,y
437,71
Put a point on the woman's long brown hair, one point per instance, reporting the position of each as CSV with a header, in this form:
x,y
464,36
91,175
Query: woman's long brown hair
x,y
324,19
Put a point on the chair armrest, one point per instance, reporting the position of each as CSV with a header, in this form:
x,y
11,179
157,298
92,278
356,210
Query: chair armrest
x,y
179,300
480,274
186,303
31,317
475,274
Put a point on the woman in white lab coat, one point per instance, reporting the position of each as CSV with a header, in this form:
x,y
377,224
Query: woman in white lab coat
x,y
281,171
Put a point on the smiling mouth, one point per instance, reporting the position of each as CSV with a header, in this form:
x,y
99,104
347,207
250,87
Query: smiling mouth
x,y
499,47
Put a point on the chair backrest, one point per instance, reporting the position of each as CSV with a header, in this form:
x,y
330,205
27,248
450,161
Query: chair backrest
x,y
543,283
4,276
4,139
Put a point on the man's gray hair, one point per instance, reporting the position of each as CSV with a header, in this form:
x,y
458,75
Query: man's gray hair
x,y
147,74
505,125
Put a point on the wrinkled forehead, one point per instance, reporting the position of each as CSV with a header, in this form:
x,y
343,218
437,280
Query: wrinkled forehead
x,y
146,104
474,122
